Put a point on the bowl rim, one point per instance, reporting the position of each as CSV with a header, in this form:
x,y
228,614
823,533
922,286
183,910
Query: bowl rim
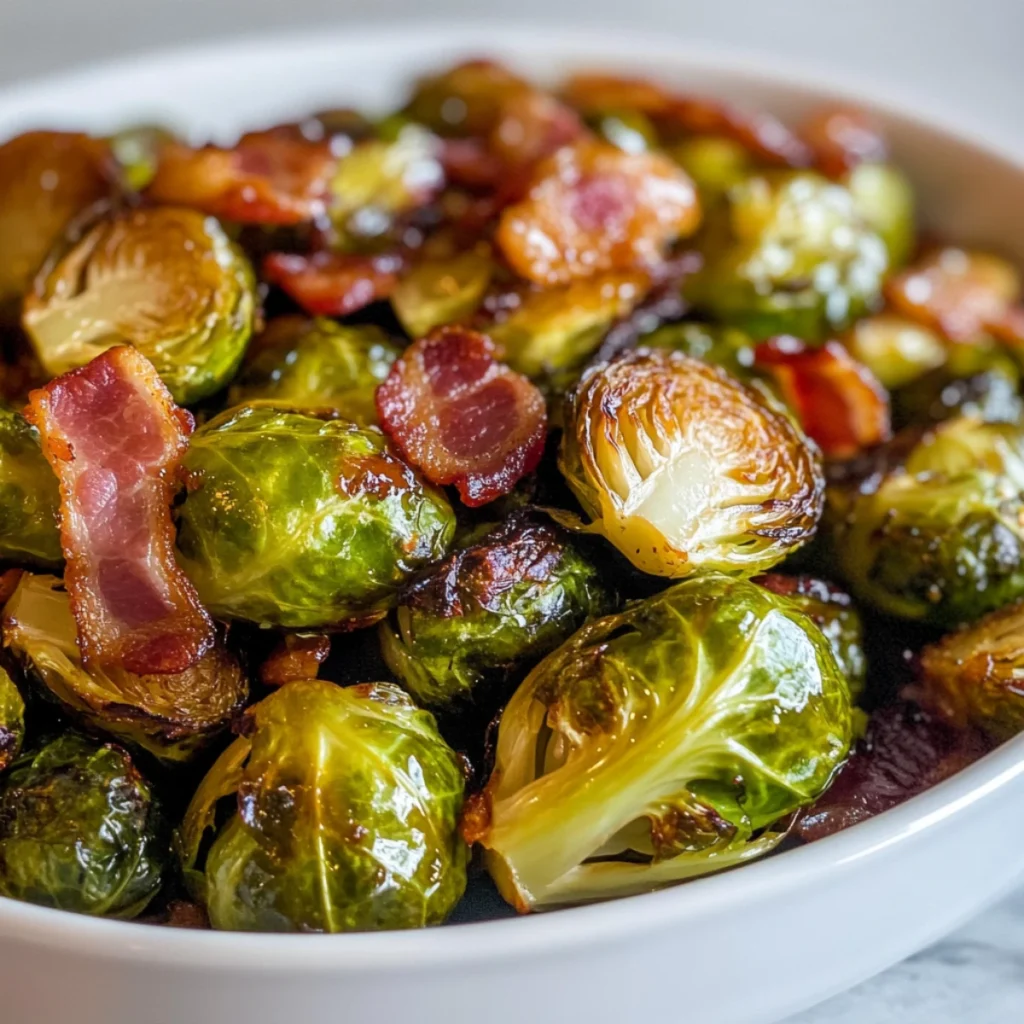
x,y
505,940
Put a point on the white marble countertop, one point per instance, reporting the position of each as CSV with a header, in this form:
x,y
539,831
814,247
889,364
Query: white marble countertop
x,y
964,53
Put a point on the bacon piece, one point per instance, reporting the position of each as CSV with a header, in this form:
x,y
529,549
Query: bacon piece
x,y
334,284
591,208
298,656
838,401
964,295
114,438
267,178
843,137
904,752
462,417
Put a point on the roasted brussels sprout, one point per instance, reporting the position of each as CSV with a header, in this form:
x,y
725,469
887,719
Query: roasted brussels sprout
x,y
684,469
80,830
12,720
789,254
29,498
346,820
940,537
885,200
166,280
896,350
318,365
172,715
660,744
727,347
442,291
715,163
462,632
628,130
137,150
291,520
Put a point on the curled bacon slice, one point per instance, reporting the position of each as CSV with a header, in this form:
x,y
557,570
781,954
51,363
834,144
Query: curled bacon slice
x,y
592,207
843,137
114,438
462,417
838,401
334,284
267,178
298,656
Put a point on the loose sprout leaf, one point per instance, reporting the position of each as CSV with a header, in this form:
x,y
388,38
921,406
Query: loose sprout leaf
x,y
436,292
591,207
842,138
137,150
167,281
462,417
840,405
334,284
296,656
12,720
895,349
170,715
114,438
685,469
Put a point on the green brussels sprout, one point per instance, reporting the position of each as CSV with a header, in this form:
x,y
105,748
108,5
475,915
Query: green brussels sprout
x,y
171,715
347,816
727,347
318,365
80,830
442,291
465,629
296,521
896,350
137,151
661,744
12,720
166,280
884,198
940,537
789,254
629,130
29,496
832,611
715,164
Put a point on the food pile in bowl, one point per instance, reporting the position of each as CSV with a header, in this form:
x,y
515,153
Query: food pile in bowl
x,y
592,488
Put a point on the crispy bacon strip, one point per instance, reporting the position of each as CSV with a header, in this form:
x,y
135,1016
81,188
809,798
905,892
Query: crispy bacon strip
x,y
114,438
843,137
298,656
591,208
334,284
267,178
462,417
839,402
964,295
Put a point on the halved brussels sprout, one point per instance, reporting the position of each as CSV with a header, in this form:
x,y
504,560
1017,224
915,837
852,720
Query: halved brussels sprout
x,y
442,291
29,498
715,163
12,720
80,830
171,715
896,350
789,253
939,538
316,364
347,813
727,347
661,744
166,280
291,520
884,198
137,150
685,469
487,612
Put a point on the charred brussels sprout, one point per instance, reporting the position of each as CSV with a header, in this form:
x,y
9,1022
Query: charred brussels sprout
x,y
885,200
461,632
29,498
166,280
789,254
939,537
684,469
12,720
661,744
442,291
316,364
171,715
295,521
80,830
346,817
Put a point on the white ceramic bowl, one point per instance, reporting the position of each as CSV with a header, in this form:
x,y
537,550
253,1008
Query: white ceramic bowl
x,y
746,946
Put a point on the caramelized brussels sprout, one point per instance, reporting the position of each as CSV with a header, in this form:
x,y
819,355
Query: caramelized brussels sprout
x,y
727,347
171,715
346,819
684,469
291,520
165,280
661,744
46,180
80,830
29,498
489,611
442,291
789,254
939,538
896,350
12,720
316,364
137,151
885,201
